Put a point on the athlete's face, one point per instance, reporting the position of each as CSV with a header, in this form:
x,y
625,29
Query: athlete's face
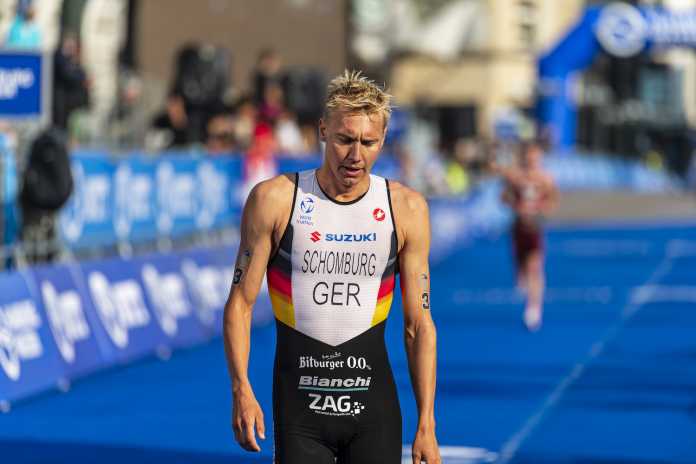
x,y
531,158
353,142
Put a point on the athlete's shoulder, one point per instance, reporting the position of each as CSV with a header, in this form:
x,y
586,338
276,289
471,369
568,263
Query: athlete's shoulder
x,y
274,189
273,196
408,201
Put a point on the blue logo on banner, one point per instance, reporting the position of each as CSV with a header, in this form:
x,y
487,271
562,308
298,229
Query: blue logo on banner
x,y
119,301
29,361
622,30
71,319
20,84
87,219
169,299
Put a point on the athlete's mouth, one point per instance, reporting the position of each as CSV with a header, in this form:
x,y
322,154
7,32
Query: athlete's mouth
x,y
352,171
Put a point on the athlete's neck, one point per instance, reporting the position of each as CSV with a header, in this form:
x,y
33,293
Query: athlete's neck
x,y
336,190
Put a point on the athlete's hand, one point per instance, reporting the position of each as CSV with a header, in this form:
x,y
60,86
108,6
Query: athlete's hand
x,y
425,448
247,415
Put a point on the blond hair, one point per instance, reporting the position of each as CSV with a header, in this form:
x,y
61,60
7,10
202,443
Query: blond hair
x,y
354,93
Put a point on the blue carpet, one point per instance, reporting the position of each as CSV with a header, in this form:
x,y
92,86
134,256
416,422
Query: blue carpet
x,y
611,377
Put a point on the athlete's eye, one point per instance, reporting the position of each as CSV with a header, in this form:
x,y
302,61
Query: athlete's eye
x,y
369,143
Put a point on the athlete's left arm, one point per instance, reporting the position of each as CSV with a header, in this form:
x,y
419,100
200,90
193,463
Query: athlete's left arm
x,y
551,199
413,230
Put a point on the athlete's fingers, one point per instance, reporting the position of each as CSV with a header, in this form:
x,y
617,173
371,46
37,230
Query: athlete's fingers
x,y
237,428
249,436
260,426
416,457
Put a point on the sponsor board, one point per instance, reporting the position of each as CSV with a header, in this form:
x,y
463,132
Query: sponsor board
x,y
168,297
29,360
71,319
118,297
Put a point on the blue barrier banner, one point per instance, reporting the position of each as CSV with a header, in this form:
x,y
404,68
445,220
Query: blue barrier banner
x,y
21,84
177,204
140,198
29,360
120,304
594,172
9,221
169,299
220,192
87,219
135,205
74,325
208,281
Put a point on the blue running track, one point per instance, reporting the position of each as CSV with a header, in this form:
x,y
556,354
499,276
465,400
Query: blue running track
x,y
610,378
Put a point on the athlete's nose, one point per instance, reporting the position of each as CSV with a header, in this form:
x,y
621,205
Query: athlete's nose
x,y
354,152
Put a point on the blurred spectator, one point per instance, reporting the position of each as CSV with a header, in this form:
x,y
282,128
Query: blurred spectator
x,y
70,86
24,31
289,136
220,133
691,173
129,120
245,123
259,163
266,73
272,104
170,128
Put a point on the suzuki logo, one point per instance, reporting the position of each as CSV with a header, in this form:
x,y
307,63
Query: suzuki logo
x,y
315,236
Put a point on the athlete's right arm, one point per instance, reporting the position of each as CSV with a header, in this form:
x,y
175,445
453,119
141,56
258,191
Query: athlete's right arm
x,y
260,220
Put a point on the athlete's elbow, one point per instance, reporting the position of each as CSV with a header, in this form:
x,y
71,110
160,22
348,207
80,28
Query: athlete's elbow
x,y
236,312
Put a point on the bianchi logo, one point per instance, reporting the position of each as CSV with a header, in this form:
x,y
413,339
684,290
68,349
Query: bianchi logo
x,y
19,336
120,306
168,295
622,30
65,318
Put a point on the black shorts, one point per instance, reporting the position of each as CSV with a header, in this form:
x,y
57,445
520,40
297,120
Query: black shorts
x,y
335,404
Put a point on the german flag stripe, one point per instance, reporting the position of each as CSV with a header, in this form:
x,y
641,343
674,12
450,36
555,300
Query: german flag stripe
x,y
386,287
279,282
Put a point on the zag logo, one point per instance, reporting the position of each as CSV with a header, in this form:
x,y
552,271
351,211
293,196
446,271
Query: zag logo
x,y
315,236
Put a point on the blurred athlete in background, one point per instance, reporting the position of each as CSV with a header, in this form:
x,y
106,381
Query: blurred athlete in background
x,y
330,241
532,194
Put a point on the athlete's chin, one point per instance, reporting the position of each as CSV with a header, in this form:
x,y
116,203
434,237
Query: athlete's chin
x,y
351,178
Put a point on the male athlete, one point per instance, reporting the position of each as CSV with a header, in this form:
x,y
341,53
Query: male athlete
x,y
531,192
330,241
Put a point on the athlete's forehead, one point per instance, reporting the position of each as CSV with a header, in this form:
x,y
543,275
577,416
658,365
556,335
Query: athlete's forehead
x,y
356,124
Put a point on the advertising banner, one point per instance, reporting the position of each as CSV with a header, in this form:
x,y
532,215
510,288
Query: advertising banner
x,y
29,360
87,218
73,323
168,297
118,298
22,84
140,198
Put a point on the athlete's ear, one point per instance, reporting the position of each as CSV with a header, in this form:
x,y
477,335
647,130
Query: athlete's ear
x,y
322,130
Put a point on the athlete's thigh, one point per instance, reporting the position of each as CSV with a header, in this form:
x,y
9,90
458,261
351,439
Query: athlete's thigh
x,y
293,447
377,445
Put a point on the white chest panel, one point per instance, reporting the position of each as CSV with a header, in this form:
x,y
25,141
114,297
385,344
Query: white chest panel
x,y
339,254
